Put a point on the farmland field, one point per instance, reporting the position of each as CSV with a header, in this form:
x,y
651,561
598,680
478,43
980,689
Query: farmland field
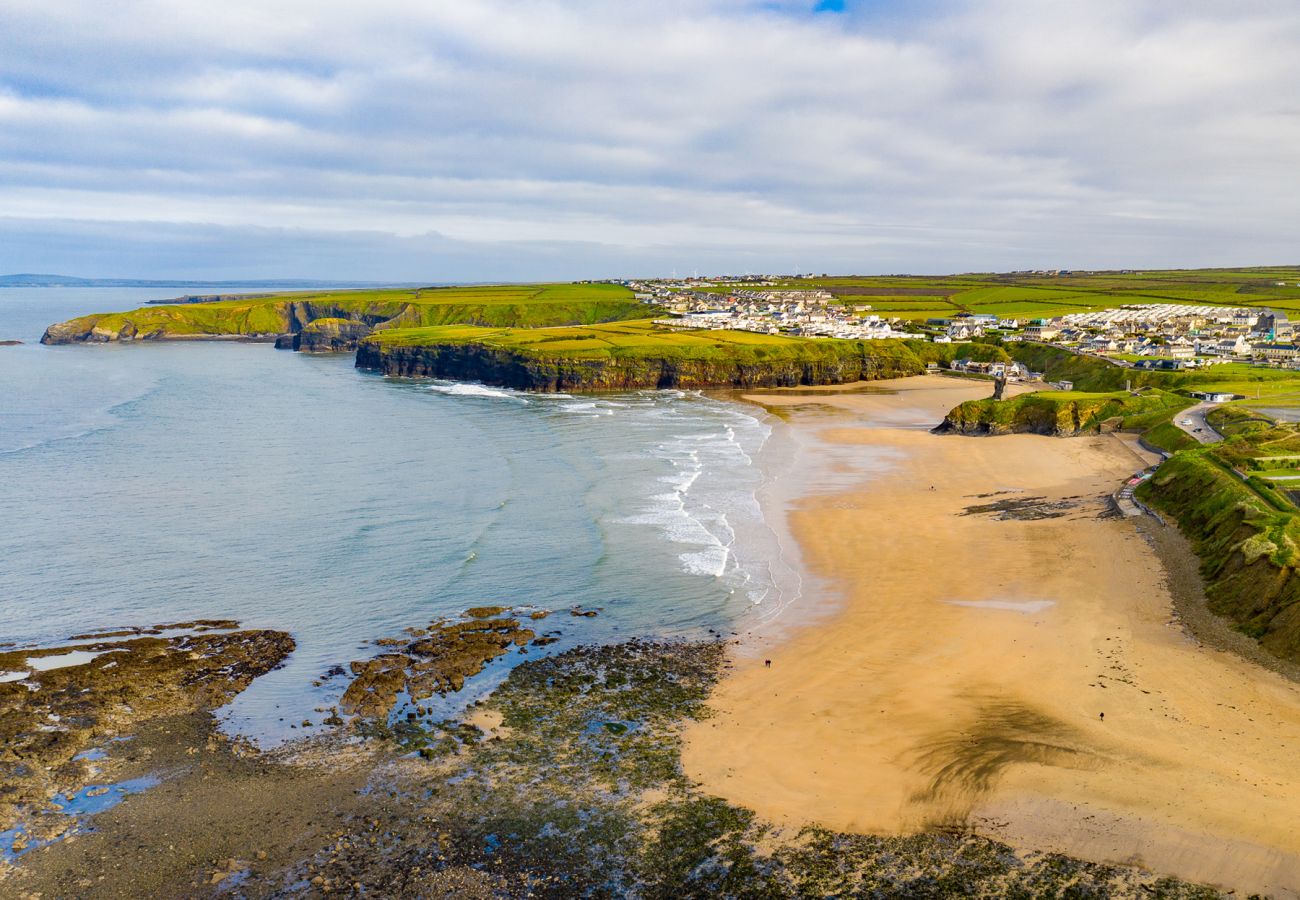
x,y
1041,296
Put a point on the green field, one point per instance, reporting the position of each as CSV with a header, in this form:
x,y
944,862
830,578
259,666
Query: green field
x,y
913,298
645,340
1066,412
1044,296
501,305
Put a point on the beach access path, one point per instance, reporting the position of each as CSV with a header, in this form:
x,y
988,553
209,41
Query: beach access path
x,y
1003,657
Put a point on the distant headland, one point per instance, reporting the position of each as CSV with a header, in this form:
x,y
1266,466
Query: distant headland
x,y
30,280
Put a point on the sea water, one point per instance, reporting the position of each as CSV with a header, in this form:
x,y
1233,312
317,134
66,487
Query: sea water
x,y
158,482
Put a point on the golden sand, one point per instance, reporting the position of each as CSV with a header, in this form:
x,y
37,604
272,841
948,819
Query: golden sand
x,y
963,681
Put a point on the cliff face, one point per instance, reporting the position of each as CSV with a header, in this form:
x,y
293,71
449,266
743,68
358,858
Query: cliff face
x,y
1053,413
261,317
522,371
1247,547
328,335
246,321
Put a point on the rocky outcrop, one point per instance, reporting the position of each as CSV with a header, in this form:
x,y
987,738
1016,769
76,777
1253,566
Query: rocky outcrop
x,y
328,335
1054,413
820,363
105,686
252,322
10,343
83,331
432,660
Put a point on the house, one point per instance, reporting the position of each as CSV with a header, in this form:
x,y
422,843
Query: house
x,y
1273,326
963,332
1230,346
1277,352
1041,331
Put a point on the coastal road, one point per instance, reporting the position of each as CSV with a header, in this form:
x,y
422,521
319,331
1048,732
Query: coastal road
x,y
1199,428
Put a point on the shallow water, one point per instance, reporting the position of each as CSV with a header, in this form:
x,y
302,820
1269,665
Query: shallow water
x,y
154,483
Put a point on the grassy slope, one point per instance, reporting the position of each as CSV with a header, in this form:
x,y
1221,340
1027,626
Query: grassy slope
x,y
1245,532
1064,412
644,340
501,305
1035,296
909,297
1092,374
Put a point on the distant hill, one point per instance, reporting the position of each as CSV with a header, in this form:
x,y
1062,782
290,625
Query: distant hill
x,y
31,280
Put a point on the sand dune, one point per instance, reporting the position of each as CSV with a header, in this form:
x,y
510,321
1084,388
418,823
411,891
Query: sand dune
x,y
963,682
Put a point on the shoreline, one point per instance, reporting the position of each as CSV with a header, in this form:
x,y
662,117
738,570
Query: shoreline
x,y
469,806
872,716
1181,567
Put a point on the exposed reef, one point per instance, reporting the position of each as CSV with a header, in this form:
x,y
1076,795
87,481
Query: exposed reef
x,y
566,781
57,702
432,660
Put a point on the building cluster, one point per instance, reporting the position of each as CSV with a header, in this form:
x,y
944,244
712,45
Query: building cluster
x,y
806,313
1154,335
1168,335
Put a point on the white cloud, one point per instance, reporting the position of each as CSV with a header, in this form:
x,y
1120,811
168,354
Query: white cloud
x,y
928,137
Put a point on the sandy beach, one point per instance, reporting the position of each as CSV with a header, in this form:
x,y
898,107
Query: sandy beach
x,y
1004,658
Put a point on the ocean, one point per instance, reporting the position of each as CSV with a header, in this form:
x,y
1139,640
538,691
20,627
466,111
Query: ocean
x,y
154,483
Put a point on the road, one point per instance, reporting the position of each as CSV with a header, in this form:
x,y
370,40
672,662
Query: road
x,y
1199,429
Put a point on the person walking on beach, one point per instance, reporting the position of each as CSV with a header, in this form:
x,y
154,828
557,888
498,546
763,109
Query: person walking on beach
x,y
767,663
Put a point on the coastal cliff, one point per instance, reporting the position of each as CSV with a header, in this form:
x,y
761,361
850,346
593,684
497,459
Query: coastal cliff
x,y
327,335
660,361
246,320
1060,413
264,317
1246,537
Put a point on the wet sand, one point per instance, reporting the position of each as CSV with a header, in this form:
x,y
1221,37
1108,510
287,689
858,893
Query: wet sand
x,y
962,680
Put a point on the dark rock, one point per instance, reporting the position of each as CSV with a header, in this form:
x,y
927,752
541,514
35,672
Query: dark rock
x,y
329,335
827,363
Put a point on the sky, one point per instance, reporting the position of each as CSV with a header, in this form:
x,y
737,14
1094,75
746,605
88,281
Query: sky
x,y
479,140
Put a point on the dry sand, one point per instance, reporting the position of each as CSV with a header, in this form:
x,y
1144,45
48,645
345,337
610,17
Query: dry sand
x,y
962,682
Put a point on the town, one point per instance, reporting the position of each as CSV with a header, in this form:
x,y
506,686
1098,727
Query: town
x,y
1145,336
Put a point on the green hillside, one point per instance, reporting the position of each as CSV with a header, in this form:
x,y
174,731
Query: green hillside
x,y
497,305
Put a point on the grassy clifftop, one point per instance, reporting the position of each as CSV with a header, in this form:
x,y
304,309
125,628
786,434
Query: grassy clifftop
x,y
632,355
263,316
1088,373
1060,412
1245,532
